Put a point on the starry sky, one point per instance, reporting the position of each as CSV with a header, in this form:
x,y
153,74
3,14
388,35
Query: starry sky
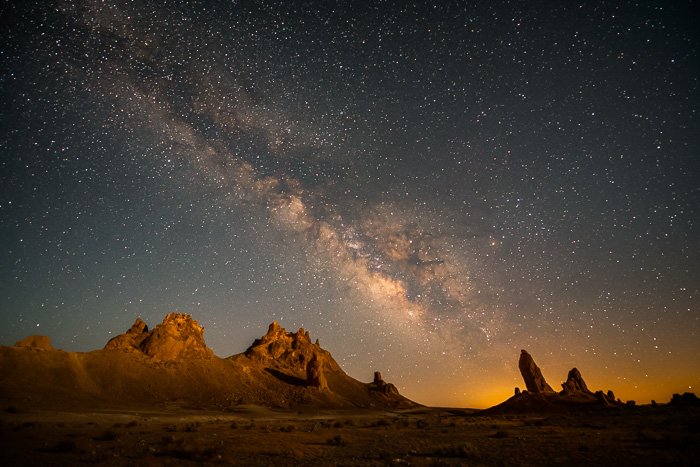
x,y
427,187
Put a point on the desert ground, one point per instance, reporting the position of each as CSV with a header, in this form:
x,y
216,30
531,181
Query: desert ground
x,y
253,435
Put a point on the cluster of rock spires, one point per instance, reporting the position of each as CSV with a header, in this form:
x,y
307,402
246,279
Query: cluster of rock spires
x,y
293,350
289,356
573,389
176,337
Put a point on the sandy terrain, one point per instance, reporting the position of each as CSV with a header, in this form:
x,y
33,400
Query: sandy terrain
x,y
252,435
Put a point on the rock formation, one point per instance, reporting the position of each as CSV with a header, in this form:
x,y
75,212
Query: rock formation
x,y
534,381
178,336
131,340
287,349
575,383
35,342
378,384
540,397
314,373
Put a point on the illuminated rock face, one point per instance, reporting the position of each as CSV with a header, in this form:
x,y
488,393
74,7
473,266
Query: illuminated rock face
x,y
315,376
532,375
178,336
293,350
131,340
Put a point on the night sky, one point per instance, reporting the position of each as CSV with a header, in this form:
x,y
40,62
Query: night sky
x,y
426,188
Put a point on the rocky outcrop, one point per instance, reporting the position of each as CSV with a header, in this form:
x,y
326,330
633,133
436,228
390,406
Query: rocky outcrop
x,y
293,350
314,373
541,398
534,381
35,342
378,384
178,336
131,340
575,383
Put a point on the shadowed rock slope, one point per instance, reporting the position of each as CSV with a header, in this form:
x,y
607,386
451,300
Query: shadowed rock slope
x,y
171,365
540,397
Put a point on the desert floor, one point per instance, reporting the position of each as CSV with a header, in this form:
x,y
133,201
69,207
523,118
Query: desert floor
x,y
251,435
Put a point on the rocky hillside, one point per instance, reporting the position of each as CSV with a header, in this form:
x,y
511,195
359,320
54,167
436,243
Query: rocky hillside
x,y
172,365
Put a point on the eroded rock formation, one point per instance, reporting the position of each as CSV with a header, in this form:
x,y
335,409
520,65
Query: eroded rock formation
x,y
178,336
292,349
534,381
378,384
540,397
314,373
131,340
575,383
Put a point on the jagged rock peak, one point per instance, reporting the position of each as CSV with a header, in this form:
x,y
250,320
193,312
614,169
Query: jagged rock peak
x,y
139,327
534,381
274,328
131,340
178,336
575,383
35,342
289,349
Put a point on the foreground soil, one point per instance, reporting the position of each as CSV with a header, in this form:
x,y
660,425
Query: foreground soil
x,y
252,435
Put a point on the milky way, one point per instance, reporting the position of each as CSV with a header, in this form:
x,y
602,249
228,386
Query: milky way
x,y
427,189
